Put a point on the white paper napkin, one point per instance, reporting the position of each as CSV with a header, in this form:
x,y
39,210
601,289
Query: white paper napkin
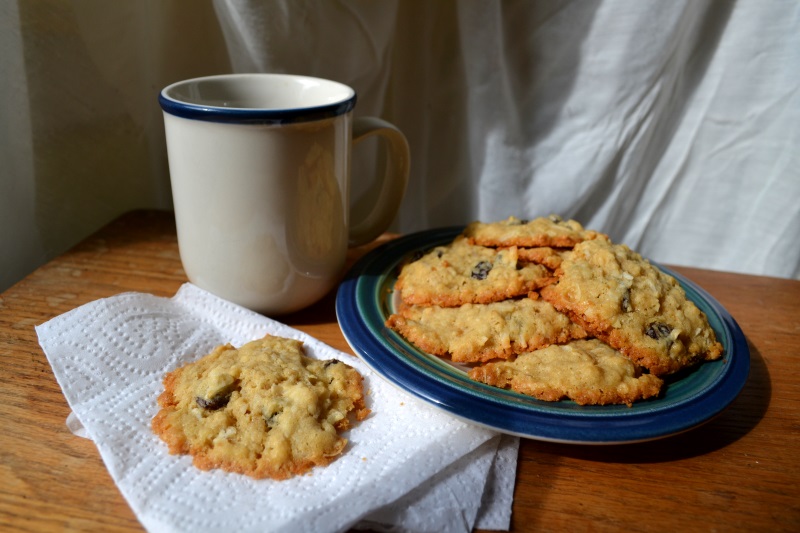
x,y
408,467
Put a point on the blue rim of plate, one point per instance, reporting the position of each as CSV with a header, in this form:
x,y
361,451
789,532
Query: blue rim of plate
x,y
364,302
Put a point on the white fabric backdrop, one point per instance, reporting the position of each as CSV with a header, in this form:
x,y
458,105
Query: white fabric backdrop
x,y
673,126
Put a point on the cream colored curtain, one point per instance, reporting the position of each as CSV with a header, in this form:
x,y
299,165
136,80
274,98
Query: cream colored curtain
x,y
674,126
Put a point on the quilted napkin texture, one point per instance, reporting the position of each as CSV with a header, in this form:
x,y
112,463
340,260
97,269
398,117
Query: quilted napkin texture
x,y
408,467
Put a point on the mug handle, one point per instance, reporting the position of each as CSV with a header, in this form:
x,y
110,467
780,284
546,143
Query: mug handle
x,y
394,180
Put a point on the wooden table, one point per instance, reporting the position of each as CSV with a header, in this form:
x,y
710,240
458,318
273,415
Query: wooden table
x,y
741,471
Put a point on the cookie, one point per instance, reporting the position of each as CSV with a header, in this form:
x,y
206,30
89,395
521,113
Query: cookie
x,y
550,231
265,410
460,272
588,372
481,332
543,255
621,298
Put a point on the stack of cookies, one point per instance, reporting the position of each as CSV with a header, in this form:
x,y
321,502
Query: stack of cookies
x,y
549,309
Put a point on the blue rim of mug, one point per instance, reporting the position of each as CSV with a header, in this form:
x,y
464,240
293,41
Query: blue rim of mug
x,y
239,115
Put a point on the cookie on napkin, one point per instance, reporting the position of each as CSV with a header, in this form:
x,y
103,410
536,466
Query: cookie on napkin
x,y
264,410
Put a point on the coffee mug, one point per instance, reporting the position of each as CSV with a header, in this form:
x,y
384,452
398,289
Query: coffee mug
x,y
260,172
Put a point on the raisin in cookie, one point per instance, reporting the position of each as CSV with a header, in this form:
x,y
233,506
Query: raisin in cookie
x,y
621,298
460,272
543,231
264,410
481,332
588,372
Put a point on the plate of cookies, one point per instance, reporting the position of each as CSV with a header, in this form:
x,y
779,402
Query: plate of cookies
x,y
543,329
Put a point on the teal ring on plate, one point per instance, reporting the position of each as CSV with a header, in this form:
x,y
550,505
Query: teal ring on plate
x,y
364,301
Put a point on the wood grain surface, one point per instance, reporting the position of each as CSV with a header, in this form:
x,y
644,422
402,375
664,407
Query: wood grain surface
x,y
739,472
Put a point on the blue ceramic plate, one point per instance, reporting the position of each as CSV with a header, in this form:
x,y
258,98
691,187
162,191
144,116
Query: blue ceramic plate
x,y
365,300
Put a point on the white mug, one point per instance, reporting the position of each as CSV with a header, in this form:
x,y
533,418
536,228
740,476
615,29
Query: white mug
x,y
260,172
